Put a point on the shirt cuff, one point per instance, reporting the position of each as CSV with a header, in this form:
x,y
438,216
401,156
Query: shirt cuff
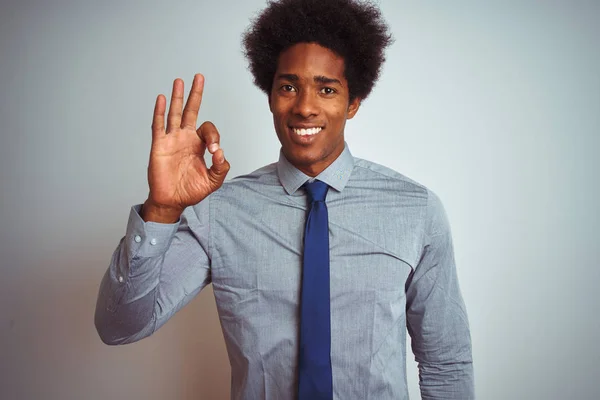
x,y
148,239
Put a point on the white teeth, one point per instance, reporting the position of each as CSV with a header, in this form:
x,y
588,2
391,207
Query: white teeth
x,y
305,132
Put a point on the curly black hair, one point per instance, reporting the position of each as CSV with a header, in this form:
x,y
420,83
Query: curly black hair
x,y
355,30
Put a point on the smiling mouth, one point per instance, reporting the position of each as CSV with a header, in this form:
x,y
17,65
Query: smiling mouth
x,y
306,132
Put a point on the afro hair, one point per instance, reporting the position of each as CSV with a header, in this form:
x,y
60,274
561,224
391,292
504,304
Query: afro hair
x,y
355,30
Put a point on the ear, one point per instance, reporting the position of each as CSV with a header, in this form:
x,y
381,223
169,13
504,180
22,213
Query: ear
x,y
353,107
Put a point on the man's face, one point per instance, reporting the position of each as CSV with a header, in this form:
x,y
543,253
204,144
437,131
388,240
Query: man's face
x,y
310,104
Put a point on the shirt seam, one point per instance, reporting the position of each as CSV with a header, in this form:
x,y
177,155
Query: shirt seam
x,y
401,178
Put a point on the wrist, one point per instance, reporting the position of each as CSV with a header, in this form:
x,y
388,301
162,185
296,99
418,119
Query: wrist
x,y
152,212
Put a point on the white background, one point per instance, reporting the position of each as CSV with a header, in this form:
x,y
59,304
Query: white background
x,y
493,105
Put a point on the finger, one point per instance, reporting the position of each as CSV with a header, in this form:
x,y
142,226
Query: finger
x,y
218,170
190,112
174,118
158,120
209,135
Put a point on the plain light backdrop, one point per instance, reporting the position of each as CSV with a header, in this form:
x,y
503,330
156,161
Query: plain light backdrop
x,y
493,105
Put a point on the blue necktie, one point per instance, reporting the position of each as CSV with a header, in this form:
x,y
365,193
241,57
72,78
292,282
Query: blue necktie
x,y
314,369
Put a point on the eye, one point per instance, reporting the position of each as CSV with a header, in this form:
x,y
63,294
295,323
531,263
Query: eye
x,y
288,88
328,90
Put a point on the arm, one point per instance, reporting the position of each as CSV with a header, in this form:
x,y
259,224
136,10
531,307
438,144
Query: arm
x,y
146,283
436,315
163,262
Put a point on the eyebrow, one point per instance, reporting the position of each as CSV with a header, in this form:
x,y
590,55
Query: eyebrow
x,y
318,79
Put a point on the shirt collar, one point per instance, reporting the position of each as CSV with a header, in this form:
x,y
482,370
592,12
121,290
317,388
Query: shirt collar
x,y
335,175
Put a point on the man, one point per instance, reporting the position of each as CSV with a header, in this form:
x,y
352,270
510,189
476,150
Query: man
x,y
319,262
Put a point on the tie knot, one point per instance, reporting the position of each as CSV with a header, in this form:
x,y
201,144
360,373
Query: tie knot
x,y
316,190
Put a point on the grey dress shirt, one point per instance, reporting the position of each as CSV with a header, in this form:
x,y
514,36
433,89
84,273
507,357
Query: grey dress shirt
x,y
392,270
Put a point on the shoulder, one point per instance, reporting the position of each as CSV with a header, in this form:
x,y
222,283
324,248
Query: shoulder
x,y
266,175
364,169
262,173
248,188
252,181
384,178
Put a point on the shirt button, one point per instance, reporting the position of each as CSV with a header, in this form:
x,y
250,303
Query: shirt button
x,y
153,242
120,278
137,238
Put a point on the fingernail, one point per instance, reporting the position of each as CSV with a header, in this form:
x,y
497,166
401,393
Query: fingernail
x,y
213,147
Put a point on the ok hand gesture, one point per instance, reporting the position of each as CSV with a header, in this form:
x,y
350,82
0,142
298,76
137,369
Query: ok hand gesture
x,y
177,174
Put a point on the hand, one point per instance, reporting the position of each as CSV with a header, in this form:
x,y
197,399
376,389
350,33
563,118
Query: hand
x,y
177,174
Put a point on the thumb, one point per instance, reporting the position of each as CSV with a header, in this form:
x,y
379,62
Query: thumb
x,y
219,169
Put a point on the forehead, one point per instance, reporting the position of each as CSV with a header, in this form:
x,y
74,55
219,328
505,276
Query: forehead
x,y
307,60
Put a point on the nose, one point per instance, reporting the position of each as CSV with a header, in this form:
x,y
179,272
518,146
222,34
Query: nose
x,y
306,104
